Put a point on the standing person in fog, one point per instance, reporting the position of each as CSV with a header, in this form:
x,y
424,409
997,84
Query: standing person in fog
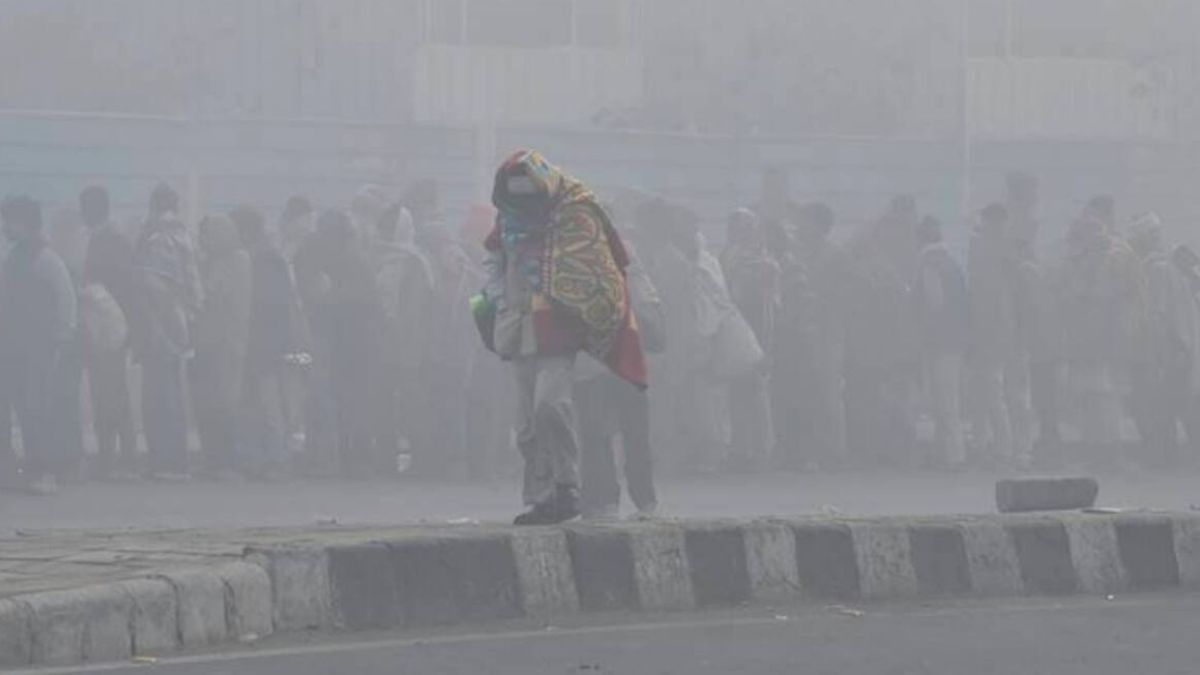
x,y
221,334
882,354
109,265
37,324
1165,380
810,347
999,358
271,338
296,223
557,284
347,304
943,316
467,388
166,260
1101,304
611,408
1038,322
308,261
404,279
752,277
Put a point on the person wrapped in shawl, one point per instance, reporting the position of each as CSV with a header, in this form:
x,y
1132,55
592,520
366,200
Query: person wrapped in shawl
x,y
556,284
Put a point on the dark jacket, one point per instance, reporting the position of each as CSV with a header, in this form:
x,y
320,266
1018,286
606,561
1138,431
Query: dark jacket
x,y
271,319
37,303
942,304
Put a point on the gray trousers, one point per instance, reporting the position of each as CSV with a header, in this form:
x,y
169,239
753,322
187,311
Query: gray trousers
x,y
547,431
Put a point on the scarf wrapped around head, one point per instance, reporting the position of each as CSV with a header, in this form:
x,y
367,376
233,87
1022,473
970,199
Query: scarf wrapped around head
x,y
582,258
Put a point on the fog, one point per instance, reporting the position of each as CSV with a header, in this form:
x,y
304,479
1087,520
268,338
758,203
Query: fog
x,y
950,237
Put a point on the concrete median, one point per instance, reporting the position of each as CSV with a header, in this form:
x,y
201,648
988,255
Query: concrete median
x,y
427,577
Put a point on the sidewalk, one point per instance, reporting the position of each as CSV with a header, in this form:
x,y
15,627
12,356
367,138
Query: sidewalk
x,y
46,560
228,506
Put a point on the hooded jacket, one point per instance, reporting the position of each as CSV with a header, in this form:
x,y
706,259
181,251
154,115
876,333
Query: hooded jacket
x,y
557,272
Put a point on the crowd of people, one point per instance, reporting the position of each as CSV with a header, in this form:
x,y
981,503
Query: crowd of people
x,y
323,343
886,349
339,342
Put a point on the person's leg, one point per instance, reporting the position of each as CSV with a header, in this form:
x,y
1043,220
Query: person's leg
x,y
945,383
1020,413
743,437
386,414
554,419
1146,408
538,485
9,466
753,433
995,409
1100,413
34,405
165,419
1044,395
63,414
831,407
102,373
205,409
1178,400
600,490
274,424
634,407
352,379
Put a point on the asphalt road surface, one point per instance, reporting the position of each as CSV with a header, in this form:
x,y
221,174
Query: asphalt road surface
x,y
1143,635
408,500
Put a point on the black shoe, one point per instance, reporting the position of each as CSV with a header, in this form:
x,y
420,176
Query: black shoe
x,y
560,508
566,503
540,514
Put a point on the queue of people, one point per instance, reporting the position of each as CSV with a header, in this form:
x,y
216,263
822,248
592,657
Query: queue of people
x,y
236,348
339,341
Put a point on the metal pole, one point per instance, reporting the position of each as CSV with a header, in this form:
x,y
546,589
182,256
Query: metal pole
x,y
966,108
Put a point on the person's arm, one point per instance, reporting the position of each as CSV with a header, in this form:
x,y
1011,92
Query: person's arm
x,y
493,268
53,270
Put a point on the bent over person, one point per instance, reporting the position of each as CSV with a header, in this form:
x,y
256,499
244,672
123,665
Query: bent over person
x,y
556,287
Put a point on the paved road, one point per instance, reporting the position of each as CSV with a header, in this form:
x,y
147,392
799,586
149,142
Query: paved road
x,y
211,505
1154,635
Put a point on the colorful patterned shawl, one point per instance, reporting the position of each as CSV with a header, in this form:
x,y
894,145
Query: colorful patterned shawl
x,y
582,263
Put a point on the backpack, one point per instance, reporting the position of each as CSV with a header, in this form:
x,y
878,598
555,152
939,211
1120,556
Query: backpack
x,y
102,322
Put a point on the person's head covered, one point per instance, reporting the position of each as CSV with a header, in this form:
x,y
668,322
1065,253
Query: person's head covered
x,y
527,186
164,201
929,231
296,207
396,225
251,224
94,206
335,229
742,228
1146,233
814,221
218,235
1101,208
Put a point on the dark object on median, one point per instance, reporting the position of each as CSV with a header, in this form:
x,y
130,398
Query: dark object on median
x,y
1045,494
